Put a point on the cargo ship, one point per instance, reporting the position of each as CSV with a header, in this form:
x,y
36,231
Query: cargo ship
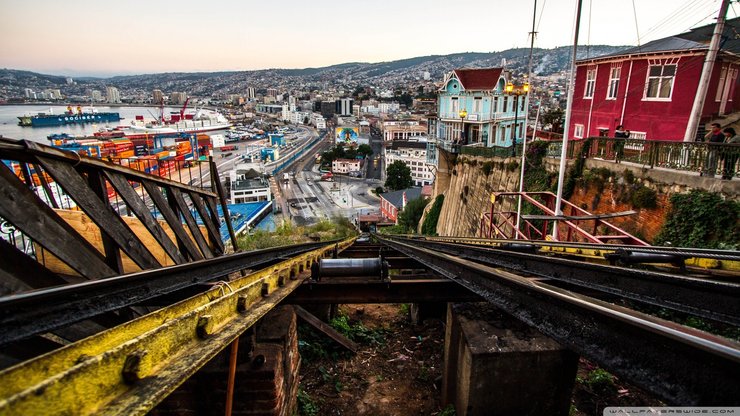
x,y
69,117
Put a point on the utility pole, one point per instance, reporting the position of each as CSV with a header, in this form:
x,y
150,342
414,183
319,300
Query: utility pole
x,y
706,73
568,109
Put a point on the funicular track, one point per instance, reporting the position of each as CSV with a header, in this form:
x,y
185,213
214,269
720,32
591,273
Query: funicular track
x,y
681,365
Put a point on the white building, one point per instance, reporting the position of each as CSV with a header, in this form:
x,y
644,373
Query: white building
x,y
250,93
414,155
344,107
345,165
112,95
248,185
402,130
285,113
319,122
426,75
389,107
96,96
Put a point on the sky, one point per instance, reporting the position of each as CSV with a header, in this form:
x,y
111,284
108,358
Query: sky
x,y
105,38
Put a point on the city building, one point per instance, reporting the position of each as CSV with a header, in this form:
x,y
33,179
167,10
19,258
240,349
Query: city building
x,y
391,203
414,155
96,96
402,130
327,108
112,95
157,96
269,108
272,92
345,165
492,115
178,98
248,185
344,107
251,94
320,122
650,89
389,107
28,93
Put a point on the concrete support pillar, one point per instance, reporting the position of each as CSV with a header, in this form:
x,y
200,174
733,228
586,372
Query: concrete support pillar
x,y
496,365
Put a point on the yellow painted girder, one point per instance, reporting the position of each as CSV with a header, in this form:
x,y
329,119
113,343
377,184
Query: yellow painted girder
x,y
130,368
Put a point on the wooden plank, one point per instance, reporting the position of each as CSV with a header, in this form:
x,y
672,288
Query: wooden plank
x,y
91,233
45,185
325,329
110,248
190,221
137,205
214,235
173,220
19,272
108,221
23,209
213,210
579,217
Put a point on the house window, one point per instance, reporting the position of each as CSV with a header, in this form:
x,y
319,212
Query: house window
x,y
506,104
590,83
454,106
477,105
611,94
578,133
495,104
660,81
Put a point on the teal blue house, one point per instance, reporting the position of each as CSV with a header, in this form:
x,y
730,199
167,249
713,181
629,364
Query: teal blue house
x,y
474,108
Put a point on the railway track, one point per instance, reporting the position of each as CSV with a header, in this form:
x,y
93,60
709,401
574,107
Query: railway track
x,y
677,363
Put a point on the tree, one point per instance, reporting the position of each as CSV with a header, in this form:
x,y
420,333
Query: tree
x,y
398,176
554,117
365,150
411,214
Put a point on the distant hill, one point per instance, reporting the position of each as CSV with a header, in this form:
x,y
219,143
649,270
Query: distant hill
x,y
400,72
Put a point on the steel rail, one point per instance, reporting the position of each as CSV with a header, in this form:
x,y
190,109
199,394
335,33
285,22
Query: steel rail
x,y
30,313
128,369
714,254
681,365
717,300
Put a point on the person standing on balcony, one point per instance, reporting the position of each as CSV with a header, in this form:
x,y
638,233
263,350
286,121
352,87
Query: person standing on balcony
x,y
728,168
714,135
620,134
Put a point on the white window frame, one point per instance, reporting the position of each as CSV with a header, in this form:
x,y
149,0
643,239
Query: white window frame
x,y
454,105
590,85
614,74
661,78
721,83
477,105
578,131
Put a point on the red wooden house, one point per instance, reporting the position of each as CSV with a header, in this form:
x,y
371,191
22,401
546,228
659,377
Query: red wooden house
x,y
650,89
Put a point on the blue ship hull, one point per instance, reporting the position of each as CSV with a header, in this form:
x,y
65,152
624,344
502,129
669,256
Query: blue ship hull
x,y
62,119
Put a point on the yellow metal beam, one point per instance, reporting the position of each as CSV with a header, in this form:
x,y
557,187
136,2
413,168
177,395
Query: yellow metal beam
x,y
128,369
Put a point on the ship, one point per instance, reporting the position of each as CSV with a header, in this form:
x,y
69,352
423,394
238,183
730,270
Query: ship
x,y
200,122
68,117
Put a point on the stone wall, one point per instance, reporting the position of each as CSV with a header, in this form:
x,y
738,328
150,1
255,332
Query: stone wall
x,y
467,192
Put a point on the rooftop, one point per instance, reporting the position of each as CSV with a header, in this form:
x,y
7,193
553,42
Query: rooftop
x,y
396,197
478,79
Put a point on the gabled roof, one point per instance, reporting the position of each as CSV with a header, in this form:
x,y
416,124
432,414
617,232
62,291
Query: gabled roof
x,y
484,79
396,197
695,39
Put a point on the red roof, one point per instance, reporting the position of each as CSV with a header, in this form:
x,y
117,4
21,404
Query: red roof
x,y
478,79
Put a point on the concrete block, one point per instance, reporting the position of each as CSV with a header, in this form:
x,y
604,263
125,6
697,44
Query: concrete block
x,y
496,365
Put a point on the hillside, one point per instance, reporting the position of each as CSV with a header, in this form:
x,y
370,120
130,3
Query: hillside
x,y
383,74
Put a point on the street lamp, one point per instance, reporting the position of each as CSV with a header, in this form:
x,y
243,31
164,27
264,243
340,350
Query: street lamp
x,y
463,114
516,92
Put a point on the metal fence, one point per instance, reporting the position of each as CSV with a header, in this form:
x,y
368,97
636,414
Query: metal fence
x,y
708,159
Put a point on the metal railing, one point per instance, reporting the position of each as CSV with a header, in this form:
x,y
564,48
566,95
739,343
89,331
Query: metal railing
x,y
706,158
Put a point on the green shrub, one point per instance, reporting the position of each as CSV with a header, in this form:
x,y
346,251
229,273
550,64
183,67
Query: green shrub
x,y
701,219
487,167
429,227
644,197
511,166
629,177
306,405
